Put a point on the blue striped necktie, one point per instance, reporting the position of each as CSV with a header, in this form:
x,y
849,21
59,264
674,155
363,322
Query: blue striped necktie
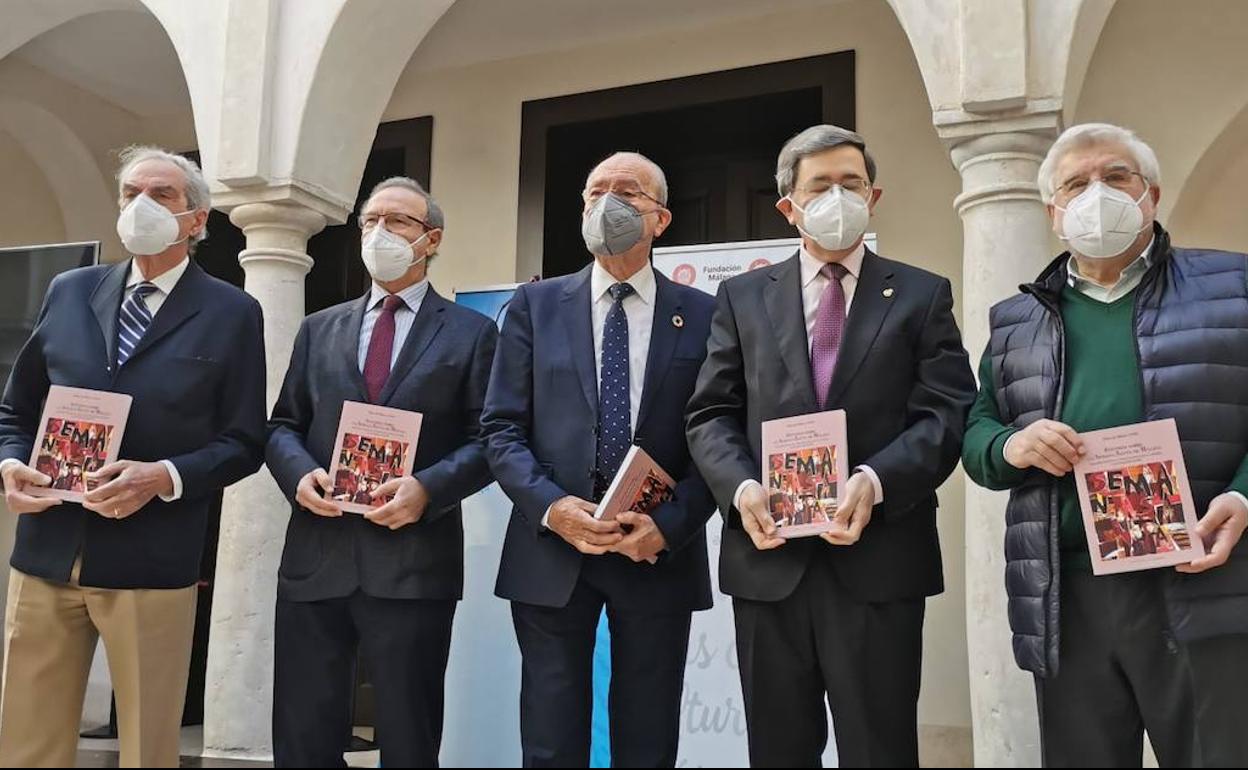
x,y
133,321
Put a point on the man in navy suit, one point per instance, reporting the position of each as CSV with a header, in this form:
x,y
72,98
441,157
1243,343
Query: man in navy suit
x,y
586,366
124,565
386,582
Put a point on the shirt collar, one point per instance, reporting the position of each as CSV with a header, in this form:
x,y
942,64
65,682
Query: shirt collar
x,y
1138,267
412,296
812,265
642,281
164,282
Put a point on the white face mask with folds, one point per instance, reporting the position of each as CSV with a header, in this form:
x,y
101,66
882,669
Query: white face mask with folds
x,y
835,219
146,227
1102,222
388,256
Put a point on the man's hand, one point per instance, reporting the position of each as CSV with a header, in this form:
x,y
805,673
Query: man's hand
x,y
18,477
1045,444
310,494
644,542
756,518
853,512
125,487
1220,529
572,519
409,503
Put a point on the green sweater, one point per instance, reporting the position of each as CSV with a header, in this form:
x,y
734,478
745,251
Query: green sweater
x,y
1103,390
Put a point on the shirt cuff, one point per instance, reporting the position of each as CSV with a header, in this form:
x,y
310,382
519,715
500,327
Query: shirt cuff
x,y
177,482
736,497
1238,495
875,482
1006,445
546,518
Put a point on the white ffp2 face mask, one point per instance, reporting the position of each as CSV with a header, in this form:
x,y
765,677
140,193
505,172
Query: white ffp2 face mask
x,y
388,256
1102,222
146,227
835,219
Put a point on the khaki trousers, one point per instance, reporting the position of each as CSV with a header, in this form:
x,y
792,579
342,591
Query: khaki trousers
x,y
50,634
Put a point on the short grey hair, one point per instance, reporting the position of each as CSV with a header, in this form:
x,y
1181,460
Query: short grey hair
x,y
1091,135
433,212
198,196
813,141
656,171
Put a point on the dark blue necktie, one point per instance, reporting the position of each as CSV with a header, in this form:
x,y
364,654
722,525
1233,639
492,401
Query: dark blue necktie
x,y
615,432
133,321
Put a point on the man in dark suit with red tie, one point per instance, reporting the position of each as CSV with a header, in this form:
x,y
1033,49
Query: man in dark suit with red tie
x,y
386,582
833,327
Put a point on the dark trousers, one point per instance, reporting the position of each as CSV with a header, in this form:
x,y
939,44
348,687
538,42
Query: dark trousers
x,y
1120,673
404,643
1220,679
818,643
648,650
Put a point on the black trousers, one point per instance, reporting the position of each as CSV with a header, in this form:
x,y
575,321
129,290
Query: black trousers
x,y
1220,679
818,643
1120,673
404,643
648,651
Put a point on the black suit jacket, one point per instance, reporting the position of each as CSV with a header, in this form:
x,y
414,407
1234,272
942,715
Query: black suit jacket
x,y
198,382
442,372
906,385
541,416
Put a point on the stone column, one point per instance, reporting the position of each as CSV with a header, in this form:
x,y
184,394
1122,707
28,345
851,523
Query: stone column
x,y
238,695
1006,241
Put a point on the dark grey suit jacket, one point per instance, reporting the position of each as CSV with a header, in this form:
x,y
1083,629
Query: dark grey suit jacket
x,y
442,372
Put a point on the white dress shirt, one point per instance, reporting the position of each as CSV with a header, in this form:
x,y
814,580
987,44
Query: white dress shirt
x,y
813,284
413,296
639,310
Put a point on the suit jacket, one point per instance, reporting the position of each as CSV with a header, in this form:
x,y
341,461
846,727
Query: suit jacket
x,y
541,417
905,382
198,383
441,372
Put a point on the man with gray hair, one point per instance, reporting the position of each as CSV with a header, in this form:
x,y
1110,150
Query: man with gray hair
x,y
123,565
833,327
1122,328
387,582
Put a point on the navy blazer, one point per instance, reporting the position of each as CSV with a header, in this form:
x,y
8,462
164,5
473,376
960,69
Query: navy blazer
x,y
198,383
541,417
442,372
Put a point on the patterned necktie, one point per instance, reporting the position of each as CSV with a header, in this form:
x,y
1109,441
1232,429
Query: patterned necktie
x,y
615,432
381,348
133,321
825,338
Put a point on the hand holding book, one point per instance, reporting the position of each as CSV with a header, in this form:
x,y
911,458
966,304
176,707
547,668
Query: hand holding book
x,y
408,501
18,481
572,519
853,512
1220,529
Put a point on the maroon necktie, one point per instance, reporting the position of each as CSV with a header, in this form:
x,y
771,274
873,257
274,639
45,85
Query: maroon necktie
x,y
825,338
380,348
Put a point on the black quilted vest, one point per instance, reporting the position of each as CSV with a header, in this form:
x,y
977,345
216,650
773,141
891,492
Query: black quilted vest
x,y
1191,328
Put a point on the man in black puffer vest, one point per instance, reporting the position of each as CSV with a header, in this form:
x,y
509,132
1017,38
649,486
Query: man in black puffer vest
x,y
1121,329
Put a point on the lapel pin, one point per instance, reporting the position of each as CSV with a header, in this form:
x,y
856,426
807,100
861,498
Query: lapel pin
x,y
888,292
678,320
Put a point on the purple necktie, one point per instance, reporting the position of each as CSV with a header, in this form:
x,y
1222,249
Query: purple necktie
x,y
380,348
825,338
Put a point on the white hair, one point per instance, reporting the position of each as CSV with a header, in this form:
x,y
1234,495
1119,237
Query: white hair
x,y
656,172
1097,134
198,196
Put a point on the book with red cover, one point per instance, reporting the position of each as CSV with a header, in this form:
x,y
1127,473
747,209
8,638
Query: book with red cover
x,y
79,433
375,444
805,467
1136,501
640,486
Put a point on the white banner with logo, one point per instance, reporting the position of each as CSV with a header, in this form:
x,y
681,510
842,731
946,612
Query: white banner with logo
x,y
706,266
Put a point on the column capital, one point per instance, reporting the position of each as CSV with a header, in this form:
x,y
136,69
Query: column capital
x,y
277,232
291,192
998,157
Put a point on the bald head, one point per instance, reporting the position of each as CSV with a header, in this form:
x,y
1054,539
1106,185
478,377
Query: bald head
x,y
634,164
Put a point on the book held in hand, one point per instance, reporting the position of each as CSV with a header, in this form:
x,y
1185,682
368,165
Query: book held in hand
x,y
1136,501
805,467
375,444
79,433
640,486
